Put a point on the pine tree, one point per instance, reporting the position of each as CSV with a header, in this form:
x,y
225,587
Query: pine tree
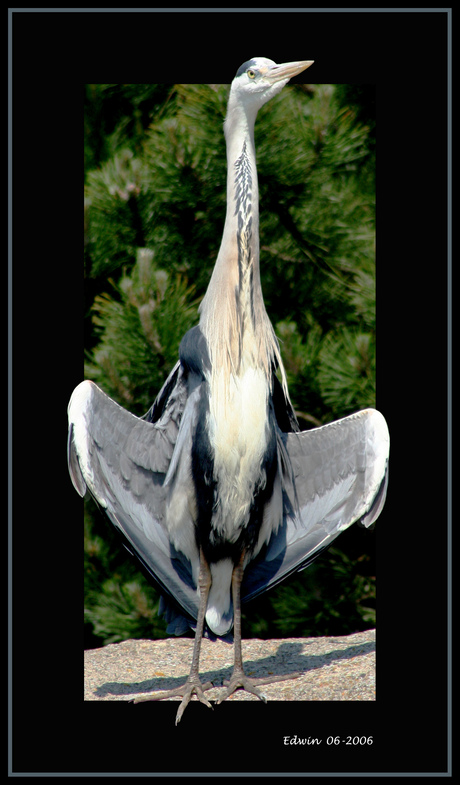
x,y
154,210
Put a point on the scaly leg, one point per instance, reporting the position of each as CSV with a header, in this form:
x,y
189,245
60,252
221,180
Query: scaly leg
x,y
238,678
193,683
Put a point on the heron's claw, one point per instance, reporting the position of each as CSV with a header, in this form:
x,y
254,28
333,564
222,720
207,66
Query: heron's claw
x,y
192,686
239,680
185,691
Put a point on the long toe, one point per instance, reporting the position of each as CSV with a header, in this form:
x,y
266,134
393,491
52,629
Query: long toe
x,y
239,680
193,686
185,691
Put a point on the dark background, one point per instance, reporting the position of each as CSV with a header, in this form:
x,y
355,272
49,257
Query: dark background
x,y
405,55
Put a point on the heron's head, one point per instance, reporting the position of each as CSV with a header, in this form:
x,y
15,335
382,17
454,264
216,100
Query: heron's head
x,y
259,79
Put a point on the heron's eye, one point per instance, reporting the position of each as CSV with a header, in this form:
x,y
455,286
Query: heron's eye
x,y
251,74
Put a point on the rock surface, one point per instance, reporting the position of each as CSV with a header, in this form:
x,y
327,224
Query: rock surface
x,y
331,668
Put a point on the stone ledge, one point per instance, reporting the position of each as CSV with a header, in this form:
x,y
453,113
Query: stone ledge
x,y
332,668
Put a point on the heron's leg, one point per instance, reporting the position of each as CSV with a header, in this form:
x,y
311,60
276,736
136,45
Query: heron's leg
x,y
193,683
238,678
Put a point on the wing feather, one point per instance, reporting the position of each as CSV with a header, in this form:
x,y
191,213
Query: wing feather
x,y
330,477
123,460
333,476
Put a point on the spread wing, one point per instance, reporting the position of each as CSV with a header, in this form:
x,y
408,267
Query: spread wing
x,y
333,476
329,478
123,461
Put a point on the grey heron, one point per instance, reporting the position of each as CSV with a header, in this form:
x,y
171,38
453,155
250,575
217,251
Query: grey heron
x,y
215,489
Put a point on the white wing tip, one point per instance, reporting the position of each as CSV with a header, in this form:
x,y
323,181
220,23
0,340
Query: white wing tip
x,y
79,399
379,428
379,446
79,458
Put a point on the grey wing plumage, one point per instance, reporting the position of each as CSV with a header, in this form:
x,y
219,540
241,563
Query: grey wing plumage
x,y
123,461
333,476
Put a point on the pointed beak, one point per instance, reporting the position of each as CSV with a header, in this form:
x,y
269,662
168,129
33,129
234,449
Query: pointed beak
x,y
287,70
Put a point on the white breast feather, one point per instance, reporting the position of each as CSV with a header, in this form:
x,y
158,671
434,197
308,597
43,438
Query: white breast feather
x,y
237,430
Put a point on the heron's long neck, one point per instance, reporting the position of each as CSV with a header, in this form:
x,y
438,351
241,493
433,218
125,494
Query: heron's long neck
x,y
233,302
240,243
233,315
